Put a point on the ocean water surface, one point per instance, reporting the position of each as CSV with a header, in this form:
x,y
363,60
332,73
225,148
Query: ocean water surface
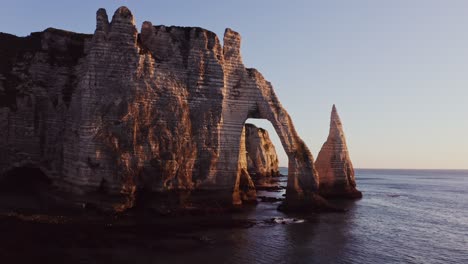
x,y
406,216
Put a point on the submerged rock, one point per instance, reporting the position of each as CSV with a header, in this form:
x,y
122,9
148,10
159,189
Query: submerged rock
x,y
333,164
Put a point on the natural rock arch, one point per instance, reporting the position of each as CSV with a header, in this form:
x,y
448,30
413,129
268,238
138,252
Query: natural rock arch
x,y
249,95
163,110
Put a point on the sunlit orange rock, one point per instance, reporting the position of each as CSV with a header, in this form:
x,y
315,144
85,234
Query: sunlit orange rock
x,y
121,112
333,164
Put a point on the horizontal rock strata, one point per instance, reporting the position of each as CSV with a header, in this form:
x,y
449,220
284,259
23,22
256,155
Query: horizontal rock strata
x,y
119,112
334,165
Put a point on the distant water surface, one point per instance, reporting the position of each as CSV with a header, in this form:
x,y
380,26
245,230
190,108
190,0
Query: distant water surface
x,y
406,216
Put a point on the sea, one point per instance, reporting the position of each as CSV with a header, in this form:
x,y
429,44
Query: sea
x,y
405,216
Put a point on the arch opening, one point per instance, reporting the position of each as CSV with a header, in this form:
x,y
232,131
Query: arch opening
x,y
262,162
268,126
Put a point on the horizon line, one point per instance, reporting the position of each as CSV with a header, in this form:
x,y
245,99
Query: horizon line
x,y
396,168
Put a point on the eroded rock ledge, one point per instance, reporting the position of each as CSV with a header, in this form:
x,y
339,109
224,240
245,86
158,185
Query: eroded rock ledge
x,y
117,112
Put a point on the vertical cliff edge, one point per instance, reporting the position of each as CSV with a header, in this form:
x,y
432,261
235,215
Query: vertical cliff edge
x,y
120,112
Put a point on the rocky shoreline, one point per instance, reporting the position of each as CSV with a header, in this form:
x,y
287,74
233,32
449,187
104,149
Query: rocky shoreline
x,y
54,233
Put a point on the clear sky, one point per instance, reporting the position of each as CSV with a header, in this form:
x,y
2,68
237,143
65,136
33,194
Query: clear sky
x,y
396,70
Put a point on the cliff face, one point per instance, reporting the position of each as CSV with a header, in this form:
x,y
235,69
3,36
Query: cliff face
x,y
334,165
262,160
38,76
119,111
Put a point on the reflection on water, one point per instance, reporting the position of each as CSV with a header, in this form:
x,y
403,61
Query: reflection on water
x,y
404,217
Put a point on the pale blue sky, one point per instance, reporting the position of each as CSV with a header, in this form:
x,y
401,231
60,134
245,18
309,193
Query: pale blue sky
x,y
396,70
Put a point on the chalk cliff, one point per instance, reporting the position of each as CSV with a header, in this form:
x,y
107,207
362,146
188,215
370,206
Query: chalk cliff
x,y
118,112
262,159
334,165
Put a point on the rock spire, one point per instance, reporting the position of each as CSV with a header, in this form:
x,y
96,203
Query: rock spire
x,y
333,164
